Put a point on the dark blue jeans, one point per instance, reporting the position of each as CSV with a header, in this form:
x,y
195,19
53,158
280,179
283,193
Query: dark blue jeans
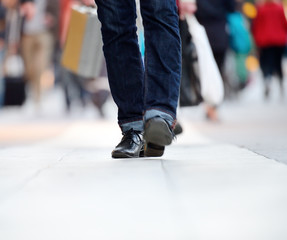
x,y
142,90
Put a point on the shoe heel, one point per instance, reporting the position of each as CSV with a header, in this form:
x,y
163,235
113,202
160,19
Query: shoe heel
x,y
153,150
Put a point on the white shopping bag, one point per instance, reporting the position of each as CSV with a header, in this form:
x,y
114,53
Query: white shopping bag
x,y
212,89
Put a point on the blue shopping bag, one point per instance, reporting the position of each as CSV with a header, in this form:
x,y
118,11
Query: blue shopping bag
x,y
239,36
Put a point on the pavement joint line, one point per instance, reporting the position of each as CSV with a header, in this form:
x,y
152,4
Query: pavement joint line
x,y
178,212
262,155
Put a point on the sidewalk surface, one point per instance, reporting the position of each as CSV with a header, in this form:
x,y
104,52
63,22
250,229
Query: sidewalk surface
x,y
215,182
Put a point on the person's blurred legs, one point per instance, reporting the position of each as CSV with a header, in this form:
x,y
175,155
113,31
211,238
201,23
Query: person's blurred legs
x,y
219,57
267,63
37,52
2,86
211,113
279,52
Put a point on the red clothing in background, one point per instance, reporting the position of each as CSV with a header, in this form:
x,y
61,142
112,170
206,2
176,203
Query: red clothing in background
x,y
65,10
270,25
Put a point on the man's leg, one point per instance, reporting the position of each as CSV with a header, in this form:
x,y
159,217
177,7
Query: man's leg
x,y
125,71
123,58
162,72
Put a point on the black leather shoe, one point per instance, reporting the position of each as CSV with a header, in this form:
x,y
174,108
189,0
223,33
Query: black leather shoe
x,y
131,145
157,135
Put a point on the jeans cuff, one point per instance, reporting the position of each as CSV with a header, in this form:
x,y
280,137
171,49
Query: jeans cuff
x,y
135,125
151,113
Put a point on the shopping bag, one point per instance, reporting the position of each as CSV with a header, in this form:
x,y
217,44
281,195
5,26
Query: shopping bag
x,y
83,53
13,64
15,91
212,90
239,36
14,81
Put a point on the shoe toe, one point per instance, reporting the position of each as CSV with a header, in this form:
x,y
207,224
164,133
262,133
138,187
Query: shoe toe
x,y
130,146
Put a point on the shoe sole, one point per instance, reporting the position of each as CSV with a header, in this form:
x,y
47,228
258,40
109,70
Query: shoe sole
x,y
122,155
157,134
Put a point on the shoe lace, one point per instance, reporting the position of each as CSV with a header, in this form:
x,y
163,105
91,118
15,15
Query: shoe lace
x,y
128,135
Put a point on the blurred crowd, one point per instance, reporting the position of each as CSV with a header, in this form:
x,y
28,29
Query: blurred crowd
x,y
244,36
33,36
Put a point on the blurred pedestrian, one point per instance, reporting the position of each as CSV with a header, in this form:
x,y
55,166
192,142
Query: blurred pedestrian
x,y
13,84
70,82
189,85
26,7
77,88
212,14
146,96
2,43
38,45
269,29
